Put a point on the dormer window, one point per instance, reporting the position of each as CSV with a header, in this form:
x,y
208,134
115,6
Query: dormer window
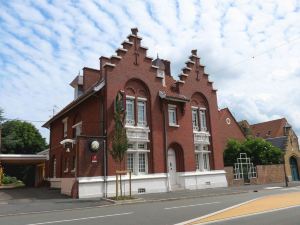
x,y
160,73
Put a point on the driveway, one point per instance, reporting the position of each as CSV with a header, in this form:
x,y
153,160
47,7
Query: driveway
x,y
18,194
28,200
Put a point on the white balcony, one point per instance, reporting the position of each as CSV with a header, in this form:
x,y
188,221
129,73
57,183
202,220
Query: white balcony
x,y
201,137
136,133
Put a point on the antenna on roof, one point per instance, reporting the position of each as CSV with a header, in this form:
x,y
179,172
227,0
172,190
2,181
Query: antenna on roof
x,y
78,72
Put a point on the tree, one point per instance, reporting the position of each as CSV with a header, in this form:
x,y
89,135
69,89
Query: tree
x,y
21,138
1,116
120,141
259,150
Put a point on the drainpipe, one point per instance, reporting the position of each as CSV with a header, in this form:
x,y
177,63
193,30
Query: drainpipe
x,y
104,111
166,142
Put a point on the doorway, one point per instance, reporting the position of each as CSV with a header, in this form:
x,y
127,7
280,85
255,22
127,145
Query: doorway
x,y
172,167
294,169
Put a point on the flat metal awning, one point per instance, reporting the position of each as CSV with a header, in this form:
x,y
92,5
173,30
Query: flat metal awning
x,y
22,158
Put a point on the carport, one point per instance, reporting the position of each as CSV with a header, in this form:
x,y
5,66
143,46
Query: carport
x,y
39,161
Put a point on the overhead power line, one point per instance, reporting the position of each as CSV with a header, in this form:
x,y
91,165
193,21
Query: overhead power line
x,y
255,56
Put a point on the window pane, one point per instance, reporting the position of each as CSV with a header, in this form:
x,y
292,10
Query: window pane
x,y
141,113
141,146
203,120
172,116
129,111
142,163
130,162
195,119
206,161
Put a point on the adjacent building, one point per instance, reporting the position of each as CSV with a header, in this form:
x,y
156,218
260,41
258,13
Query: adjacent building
x,y
281,134
175,130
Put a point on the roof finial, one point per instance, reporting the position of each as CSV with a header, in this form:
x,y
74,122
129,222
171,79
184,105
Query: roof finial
x,y
194,52
134,31
78,72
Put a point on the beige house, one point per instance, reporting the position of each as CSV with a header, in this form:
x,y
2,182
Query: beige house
x,y
280,133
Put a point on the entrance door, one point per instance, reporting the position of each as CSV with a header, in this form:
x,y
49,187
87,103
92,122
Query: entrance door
x,y
294,169
172,166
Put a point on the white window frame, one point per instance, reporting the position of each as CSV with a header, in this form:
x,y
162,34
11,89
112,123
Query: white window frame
x,y
130,121
172,109
144,122
65,124
136,151
195,113
144,165
132,155
77,126
73,164
203,162
203,122
66,165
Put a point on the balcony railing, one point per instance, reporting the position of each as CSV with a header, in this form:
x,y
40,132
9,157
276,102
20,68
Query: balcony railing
x,y
201,137
138,134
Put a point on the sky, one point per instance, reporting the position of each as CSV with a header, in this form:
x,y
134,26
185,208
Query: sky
x,y
251,49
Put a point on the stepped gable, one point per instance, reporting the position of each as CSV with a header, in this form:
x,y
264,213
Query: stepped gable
x,y
195,70
130,46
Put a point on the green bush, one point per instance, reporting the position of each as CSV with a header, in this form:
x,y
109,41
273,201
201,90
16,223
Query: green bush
x,y
9,180
260,151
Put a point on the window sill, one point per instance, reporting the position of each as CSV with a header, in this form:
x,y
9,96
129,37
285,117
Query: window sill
x,y
66,171
174,125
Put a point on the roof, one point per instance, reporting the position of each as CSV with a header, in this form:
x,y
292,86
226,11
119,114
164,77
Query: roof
x,y
92,90
279,142
269,129
22,158
173,97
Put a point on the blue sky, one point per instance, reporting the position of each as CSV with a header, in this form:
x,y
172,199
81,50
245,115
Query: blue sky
x,y
251,49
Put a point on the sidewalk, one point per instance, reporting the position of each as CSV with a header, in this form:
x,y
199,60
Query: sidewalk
x,y
209,192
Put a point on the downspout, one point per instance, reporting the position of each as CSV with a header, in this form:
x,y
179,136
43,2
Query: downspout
x,y
105,133
166,147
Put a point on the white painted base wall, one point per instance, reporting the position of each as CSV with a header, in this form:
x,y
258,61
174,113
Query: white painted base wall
x,y
55,182
90,187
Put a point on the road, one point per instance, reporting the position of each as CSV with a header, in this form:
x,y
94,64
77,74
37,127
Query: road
x,y
156,213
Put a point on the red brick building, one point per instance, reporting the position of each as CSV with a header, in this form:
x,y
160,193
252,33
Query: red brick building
x,y
173,127
229,128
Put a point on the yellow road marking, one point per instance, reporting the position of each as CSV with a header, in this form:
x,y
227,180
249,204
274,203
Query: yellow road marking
x,y
263,204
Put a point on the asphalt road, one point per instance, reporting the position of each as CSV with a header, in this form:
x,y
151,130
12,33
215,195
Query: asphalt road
x,y
156,213
289,216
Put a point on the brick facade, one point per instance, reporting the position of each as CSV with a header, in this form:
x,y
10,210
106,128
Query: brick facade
x,y
136,75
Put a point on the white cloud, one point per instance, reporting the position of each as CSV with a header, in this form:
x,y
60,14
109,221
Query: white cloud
x,y
43,45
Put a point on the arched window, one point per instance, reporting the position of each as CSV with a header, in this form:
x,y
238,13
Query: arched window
x,y
137,121
200,123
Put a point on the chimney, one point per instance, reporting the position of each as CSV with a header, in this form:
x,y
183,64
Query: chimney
x,y
167,67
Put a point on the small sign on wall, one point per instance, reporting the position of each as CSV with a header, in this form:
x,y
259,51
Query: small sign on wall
x,y
94,159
